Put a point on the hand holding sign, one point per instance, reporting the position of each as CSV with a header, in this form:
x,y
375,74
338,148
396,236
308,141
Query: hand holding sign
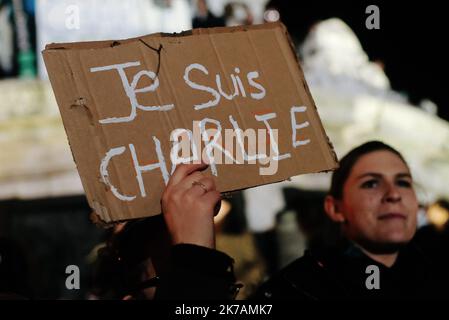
x,y
188,204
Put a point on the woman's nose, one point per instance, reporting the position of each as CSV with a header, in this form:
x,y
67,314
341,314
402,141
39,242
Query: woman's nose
x,y
392,193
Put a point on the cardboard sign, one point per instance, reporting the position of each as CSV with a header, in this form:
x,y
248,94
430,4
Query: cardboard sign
x,y
233,97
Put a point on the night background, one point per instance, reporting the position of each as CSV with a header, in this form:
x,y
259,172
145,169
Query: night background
x,y
411,41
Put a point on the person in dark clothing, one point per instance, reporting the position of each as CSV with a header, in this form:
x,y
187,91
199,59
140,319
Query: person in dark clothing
x,y
433,239
345,273
131,261
373,199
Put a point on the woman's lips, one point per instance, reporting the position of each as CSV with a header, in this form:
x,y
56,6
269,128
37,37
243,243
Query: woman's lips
x,y
392,215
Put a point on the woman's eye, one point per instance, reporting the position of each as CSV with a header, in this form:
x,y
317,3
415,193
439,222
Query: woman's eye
x,y
370,184
404,183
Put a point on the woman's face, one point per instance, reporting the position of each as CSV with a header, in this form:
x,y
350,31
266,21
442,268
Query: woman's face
x,y
379,202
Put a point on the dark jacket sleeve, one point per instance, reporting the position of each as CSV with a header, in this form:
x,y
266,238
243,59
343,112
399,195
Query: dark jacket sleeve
x,y
198,273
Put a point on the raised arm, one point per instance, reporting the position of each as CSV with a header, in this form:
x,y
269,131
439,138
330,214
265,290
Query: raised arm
x,y
197,271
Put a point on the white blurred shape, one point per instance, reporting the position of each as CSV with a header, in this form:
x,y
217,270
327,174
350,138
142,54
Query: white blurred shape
x,y
106,20
333,56
261,206
429,106
271,15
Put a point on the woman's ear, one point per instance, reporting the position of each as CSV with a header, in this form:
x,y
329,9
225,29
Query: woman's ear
x,y
332,208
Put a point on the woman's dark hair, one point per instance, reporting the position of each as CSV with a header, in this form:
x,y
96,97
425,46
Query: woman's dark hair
x,y
340,175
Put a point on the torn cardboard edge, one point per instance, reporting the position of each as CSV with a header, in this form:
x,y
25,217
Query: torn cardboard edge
x,y
307,89
324,144
101,44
